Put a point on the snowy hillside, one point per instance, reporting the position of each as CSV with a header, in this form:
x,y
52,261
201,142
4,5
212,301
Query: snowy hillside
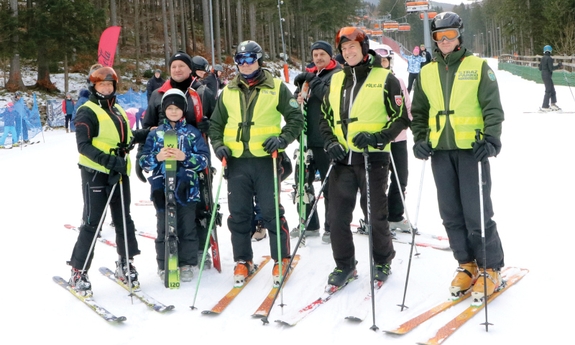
x,y
532,194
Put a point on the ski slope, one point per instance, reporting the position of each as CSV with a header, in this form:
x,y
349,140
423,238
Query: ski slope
x,y
532,195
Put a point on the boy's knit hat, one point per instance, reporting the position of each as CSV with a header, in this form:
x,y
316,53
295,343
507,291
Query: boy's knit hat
x,y
175,97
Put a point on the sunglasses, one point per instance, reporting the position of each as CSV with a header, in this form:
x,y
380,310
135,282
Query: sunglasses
x,y
447,34
243,58
351,33
383,52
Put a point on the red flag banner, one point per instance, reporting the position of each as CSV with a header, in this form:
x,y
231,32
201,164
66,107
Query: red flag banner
x,y
107,47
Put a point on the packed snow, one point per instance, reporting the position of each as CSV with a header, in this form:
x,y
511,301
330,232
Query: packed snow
x,y
532,190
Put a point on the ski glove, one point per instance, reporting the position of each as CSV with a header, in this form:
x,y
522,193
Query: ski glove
x,y
140,173
204,125
488,147
272,144
363,139
223,152
335,151
302,78
422,150
116,164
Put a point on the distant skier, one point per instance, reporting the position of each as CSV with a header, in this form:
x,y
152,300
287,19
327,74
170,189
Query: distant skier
x,y
546,67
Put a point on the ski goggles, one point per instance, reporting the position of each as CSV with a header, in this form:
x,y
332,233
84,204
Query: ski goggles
x,y
243,58
447,34
382,52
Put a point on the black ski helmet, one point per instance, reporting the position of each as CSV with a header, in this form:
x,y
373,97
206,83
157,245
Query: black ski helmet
x,y
199,63
448,20
352,33
251,47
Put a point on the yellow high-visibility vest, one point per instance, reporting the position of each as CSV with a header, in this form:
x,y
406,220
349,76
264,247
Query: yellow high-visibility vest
x,y
465,115
107,138
265,121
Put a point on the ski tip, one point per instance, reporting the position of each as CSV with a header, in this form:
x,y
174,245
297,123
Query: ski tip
x,y
353,318
285,323
210,312
118,319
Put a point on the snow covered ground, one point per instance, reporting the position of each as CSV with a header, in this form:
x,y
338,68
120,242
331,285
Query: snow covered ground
x,y
532,194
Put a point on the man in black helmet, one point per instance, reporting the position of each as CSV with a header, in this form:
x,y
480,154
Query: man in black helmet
x,y
246,130
457,116
363,112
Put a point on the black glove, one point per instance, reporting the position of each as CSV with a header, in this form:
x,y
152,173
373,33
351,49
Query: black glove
x,y
223,152
204,125
140,173
302,78
363,139
116,164
422,150
272,144
335,151
488,147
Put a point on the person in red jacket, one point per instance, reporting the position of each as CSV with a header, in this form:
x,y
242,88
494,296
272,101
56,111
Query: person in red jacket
x,y
68,110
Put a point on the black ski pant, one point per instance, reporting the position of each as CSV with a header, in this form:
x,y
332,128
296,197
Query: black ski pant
x,y
344,182
187,234
319,162
550,93
456,179
395,204
95,190
246,177
410,80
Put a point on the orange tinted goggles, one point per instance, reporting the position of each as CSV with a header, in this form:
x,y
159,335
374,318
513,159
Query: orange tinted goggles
x,y
448,34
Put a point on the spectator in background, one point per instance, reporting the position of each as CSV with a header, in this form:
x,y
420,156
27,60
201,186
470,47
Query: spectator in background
x,y
154,83
9,118
139,116
547,67
68,110
423,52
83,98
414,62
22,119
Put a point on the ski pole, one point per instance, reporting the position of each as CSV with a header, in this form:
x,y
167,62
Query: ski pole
x,y
370,234
210,227
277,208
126,239
301,235
482,219
414,228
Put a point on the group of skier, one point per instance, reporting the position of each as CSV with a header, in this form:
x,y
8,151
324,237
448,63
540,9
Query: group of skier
x,y
353,113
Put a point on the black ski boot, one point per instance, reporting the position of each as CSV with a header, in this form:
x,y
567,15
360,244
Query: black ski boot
x,y
123,270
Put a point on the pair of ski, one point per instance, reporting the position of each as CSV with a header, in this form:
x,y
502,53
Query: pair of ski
x,y
262,310
422,239
357,314
103,312
510,277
